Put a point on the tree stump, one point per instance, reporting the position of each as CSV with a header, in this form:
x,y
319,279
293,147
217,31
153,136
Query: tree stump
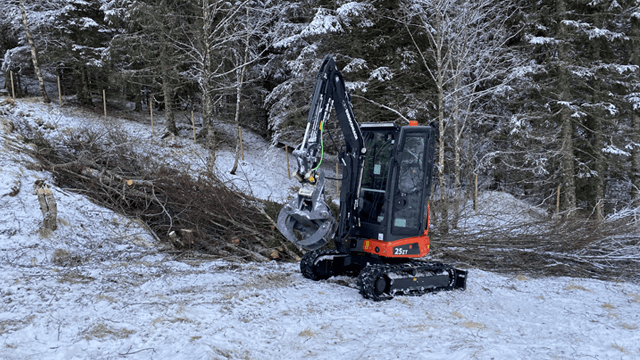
x,y
47,206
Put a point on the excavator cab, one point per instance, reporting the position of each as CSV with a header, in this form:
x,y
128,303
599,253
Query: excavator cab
x,y
396,181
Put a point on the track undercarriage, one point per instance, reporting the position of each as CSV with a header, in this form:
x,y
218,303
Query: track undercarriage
x,y
379,279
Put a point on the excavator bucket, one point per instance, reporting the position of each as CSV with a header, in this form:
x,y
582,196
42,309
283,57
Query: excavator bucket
x,y
306,220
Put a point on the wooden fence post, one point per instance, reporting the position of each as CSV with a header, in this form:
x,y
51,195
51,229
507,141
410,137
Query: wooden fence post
x,y
286,150
475,197
193,125
104,103
240,138
151,111
59,92
558,201
13,90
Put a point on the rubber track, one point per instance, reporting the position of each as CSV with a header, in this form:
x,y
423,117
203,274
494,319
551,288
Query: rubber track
x,y
308,261
369,275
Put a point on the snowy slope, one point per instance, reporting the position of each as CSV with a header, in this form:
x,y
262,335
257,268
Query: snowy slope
x,y
263,161
100,287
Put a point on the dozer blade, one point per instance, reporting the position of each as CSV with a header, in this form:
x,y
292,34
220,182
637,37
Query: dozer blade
x,y
306,220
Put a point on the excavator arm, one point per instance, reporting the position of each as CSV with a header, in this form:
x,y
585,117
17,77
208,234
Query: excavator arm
x,y
306,220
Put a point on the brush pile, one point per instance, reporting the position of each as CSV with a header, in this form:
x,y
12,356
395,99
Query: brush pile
x,y
549,246
190,212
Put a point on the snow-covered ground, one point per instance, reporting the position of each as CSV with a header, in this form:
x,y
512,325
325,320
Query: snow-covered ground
x,y
101,287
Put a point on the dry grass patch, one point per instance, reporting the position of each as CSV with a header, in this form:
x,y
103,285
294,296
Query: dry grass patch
x,y
106,298
75,278
619,348
176,320
629,326
64,258
608,306
417,328
11,325
473,325
573,286
404,300
307,333
458,315
102,331
270,281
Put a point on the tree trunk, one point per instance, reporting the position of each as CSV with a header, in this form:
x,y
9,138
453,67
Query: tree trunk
x,y
18,84
470,166
635,117
34,54
566,134
456,151
168,92
7,81
211,140
240,78
635,158
237,120
205,88
83,94
568,169
440,68
137,99
595,124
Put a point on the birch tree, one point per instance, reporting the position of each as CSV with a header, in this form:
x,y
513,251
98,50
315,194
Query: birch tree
x,y
239,81
209,38
34,53
467,60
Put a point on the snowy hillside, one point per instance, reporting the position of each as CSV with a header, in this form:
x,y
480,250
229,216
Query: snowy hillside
x,y
101,287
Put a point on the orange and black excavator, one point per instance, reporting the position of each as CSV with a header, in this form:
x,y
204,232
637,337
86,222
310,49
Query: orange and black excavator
x,y
384,217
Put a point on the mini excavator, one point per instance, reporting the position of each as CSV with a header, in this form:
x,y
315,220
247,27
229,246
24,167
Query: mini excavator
x,y
383,218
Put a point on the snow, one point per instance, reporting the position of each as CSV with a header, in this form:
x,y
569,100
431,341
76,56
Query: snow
x,y
634,100
620,69
611,149
101,287
541,40
355,10
382,74
355,65
356,86
499,210
595,32
324,22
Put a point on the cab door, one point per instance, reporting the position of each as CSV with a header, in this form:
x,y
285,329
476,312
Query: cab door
x,y
411,182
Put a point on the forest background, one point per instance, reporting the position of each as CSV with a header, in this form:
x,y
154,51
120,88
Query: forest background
x,y
539,99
